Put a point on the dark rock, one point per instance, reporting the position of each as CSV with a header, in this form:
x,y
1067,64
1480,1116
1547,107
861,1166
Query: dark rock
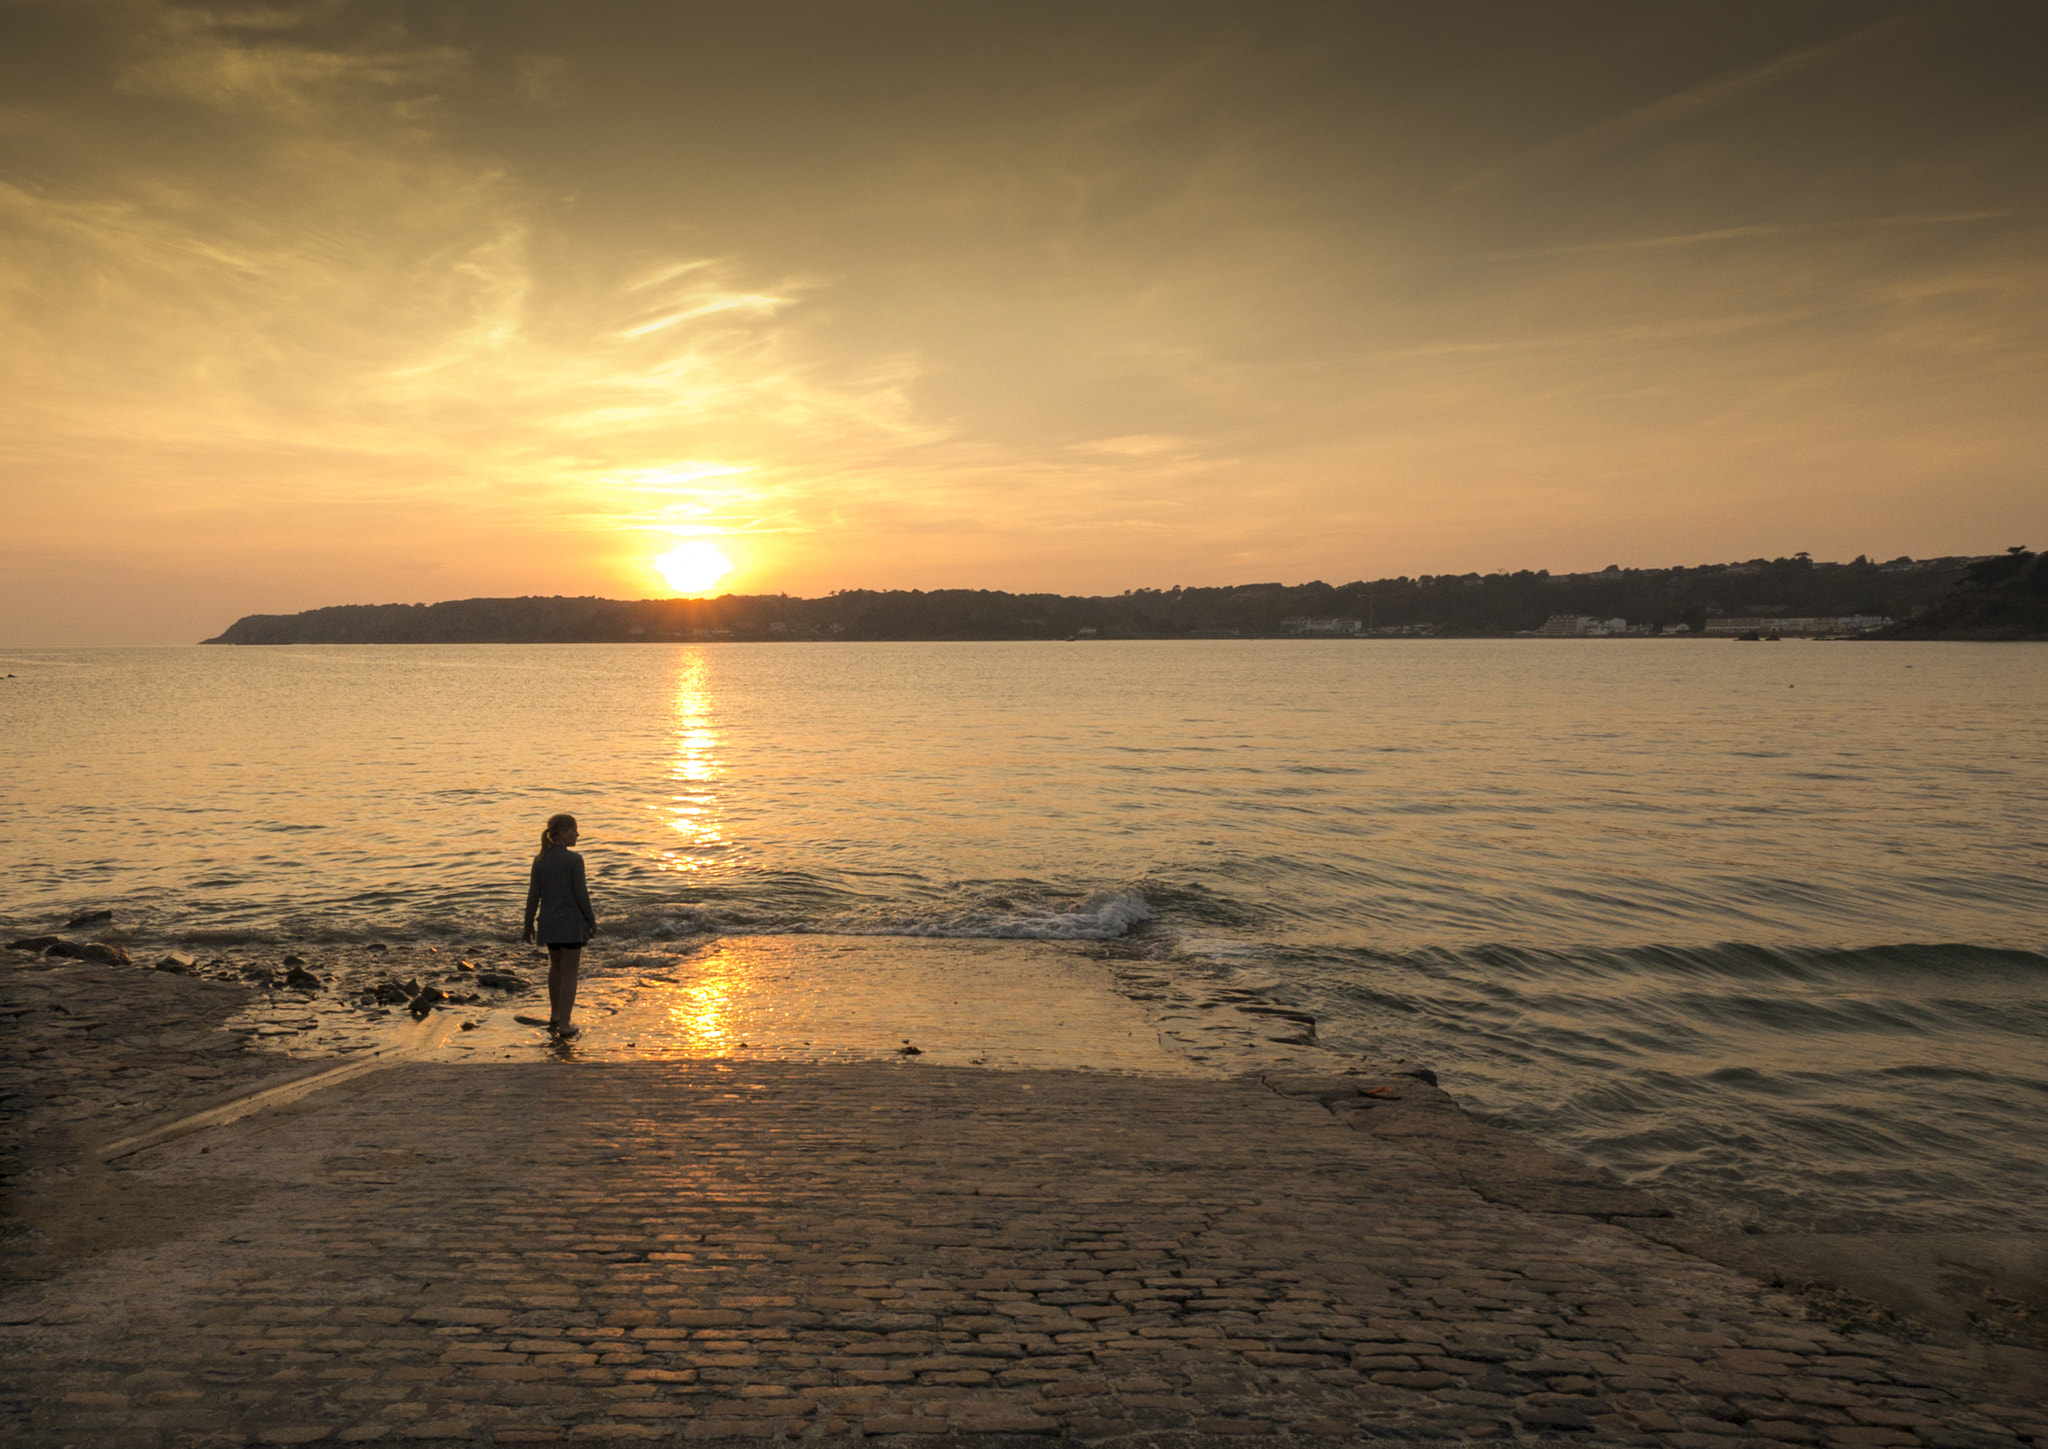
x,y
390,993
295,960
300,979
410,988
90,918
68,950
501,980
34,943
376,946
106,953
261,975
906,1050
178,963
425,1000
469,1026
1422,1074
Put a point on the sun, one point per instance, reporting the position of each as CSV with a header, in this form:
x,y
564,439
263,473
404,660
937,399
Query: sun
x,y
691,568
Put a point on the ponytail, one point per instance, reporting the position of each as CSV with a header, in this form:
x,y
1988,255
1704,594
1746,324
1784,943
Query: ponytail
x,y
557,825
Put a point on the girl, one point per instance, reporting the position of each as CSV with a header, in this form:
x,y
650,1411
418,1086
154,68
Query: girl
x,y
555,889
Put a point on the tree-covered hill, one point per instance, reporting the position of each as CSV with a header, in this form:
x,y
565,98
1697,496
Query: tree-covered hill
x,y
1468,605
2004,596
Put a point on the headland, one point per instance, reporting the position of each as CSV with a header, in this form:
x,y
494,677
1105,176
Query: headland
x,y
1642,602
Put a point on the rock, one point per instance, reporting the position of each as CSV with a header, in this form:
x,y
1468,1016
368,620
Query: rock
x,y
89,918
501,980
178,963
424,1002
412,987
377,946
34,943
469,1026
300,979
465,965
68,950
390,993
295,960
261,975
906,1050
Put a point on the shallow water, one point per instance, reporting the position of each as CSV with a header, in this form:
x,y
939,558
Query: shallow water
x,y
1758,924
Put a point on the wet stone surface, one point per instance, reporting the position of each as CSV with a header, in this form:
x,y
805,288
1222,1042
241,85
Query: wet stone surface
x,y
565,1251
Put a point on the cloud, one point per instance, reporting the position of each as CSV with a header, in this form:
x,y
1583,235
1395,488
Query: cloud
x,y
544,80
1690,103
1763,231
1134,445
261,60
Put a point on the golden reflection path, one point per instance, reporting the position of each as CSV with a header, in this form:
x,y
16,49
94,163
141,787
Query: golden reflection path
x,y
693,811
702,1012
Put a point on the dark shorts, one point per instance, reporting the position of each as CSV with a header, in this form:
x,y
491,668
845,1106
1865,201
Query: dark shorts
x,y
565,945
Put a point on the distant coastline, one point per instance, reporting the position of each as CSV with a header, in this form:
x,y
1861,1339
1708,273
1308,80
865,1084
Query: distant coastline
x,y
1998,596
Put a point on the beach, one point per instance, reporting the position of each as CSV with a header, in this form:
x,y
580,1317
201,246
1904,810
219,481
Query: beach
x,y
465,1247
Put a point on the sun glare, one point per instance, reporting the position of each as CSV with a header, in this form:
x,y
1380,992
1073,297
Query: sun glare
x,y
691,568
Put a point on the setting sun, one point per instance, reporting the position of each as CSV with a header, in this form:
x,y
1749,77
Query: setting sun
x,y
691,568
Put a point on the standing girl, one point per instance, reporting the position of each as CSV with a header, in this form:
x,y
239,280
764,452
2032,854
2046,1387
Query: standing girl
x,y
555,890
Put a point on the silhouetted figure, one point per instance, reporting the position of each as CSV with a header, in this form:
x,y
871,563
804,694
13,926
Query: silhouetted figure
x,y
557,896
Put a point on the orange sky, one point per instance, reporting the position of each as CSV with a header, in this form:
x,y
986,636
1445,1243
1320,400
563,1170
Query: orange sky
x,y
329,303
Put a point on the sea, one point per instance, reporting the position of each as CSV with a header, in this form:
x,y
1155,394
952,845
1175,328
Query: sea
x,y
1762,926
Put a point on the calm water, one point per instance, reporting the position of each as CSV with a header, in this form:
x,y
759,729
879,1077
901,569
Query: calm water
x,y
1760,924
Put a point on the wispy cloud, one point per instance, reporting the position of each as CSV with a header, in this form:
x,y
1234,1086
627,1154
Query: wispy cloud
x,y
1690,103
1762,231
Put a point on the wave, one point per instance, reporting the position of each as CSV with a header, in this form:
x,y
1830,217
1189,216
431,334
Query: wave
x,y
1105,915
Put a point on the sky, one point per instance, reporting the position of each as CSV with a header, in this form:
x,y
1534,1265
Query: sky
x,y
329,302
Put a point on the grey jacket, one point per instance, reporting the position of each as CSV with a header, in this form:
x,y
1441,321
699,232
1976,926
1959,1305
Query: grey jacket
x,y
557,891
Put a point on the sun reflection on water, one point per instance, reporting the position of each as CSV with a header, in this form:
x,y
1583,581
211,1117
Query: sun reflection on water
x,y
702,1012
693,810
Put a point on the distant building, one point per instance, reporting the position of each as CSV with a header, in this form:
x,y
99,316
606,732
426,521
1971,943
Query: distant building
x,y
1404,631
1574,626
1323,626
1585,626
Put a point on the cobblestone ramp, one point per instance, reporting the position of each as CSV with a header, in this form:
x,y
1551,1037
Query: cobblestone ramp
x,y
703,1250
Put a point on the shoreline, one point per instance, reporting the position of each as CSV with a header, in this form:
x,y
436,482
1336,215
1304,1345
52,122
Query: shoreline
x,y
72,1218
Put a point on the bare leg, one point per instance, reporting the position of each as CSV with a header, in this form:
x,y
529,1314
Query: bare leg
x,y
562,964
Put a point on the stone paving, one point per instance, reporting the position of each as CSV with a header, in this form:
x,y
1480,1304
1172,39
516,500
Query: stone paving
x,y
534,1252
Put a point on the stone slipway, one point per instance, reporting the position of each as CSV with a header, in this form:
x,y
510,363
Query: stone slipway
x,y
562,1251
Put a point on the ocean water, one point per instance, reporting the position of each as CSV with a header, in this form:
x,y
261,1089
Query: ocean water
x,y
1761,926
